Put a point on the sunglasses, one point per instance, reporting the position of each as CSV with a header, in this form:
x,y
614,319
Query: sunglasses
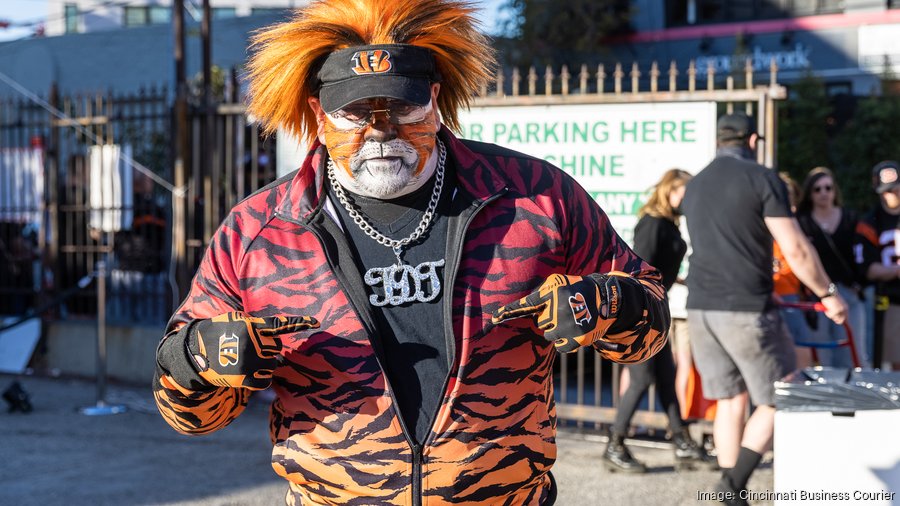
x,y
824,188
398,112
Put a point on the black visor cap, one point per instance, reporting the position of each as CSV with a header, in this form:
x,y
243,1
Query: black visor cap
x,y
398,71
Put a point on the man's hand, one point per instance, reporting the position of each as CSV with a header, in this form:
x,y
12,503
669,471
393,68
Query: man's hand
x,y
239,350
573,311
835,308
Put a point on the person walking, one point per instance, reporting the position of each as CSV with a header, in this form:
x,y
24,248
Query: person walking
x,y
835,234
657,240
404,292
734,208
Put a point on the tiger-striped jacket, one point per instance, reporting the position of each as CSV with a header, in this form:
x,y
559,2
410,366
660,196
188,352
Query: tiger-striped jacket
x,y
334,424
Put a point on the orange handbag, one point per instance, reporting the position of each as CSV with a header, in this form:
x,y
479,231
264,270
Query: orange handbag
x,y
696,406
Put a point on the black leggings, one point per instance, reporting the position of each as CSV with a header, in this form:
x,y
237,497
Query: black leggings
x,y
661,368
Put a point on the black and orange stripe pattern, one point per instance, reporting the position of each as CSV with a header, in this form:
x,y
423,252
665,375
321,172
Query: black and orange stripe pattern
x,y
335,429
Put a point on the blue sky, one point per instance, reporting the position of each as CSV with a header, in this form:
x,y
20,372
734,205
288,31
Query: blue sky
x,y
32,10
20,11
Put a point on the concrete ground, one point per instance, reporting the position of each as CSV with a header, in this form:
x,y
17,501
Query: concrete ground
x,y
56,455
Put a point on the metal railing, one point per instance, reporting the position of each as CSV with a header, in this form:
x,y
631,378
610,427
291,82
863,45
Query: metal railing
x,y
655,83
55,224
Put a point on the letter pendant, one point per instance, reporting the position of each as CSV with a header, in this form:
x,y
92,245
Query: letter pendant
x,y
402,283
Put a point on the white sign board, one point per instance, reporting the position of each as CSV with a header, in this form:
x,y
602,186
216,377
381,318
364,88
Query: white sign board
x,y
615,151
828,459
878,51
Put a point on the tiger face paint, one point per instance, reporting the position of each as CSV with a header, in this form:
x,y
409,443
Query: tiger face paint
x,y
381,159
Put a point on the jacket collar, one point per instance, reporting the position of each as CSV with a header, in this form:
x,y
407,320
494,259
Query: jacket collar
x,y
736,152
306,192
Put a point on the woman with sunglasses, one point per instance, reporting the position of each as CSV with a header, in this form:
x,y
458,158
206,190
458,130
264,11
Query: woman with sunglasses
x,y
835,233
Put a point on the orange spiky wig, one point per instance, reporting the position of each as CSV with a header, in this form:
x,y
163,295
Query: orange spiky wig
x,y
287,56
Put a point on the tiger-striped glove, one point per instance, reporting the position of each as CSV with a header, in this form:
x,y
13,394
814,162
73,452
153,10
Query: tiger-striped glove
x,y
239,350
573,311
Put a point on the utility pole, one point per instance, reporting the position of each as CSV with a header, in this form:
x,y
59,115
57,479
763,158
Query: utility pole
x,y
210,177
180,130
205,26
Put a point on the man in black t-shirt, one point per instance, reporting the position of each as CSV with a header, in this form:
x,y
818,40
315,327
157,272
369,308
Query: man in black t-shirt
x,y
734,208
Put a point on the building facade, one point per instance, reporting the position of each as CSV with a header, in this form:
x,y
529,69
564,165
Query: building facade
x,y
850,44
86,16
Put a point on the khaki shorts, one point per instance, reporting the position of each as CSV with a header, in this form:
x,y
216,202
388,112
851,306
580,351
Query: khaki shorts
x,y
738,351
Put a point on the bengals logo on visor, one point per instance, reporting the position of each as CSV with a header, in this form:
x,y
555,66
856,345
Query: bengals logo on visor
x,y
375,61
228,350
579,309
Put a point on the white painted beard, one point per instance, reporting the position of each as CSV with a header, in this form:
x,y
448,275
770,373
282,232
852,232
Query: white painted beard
x,y
385,170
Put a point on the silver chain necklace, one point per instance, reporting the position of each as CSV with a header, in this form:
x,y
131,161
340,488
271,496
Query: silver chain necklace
x,y
401,283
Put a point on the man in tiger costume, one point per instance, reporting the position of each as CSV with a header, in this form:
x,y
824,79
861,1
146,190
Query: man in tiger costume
x,y
379,288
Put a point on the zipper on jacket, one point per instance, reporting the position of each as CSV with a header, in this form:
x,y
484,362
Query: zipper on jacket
x,y
370,332
449,336
417,475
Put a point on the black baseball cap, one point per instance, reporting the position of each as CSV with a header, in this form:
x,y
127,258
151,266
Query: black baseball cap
x,y
735,126
399,71
885,176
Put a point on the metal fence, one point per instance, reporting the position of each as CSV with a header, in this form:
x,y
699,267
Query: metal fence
x,y
100,207
229,159
654,83
86,177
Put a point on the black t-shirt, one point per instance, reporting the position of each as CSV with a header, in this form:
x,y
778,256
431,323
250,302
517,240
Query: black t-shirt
x,y
837,251
725,206
658,241
886,249
412,334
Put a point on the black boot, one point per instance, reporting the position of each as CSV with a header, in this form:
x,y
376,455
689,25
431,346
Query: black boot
x,y
618,458
17,398
688,454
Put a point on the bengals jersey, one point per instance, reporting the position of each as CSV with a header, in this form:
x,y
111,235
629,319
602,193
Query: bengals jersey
x,y
786,282
882,245
335,425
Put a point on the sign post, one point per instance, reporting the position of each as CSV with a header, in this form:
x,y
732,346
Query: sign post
x,y
101,407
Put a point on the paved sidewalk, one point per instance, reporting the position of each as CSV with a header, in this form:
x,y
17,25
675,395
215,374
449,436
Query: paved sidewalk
x,y
55,455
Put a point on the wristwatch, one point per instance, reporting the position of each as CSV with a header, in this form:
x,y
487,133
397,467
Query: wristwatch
x,y
831,290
